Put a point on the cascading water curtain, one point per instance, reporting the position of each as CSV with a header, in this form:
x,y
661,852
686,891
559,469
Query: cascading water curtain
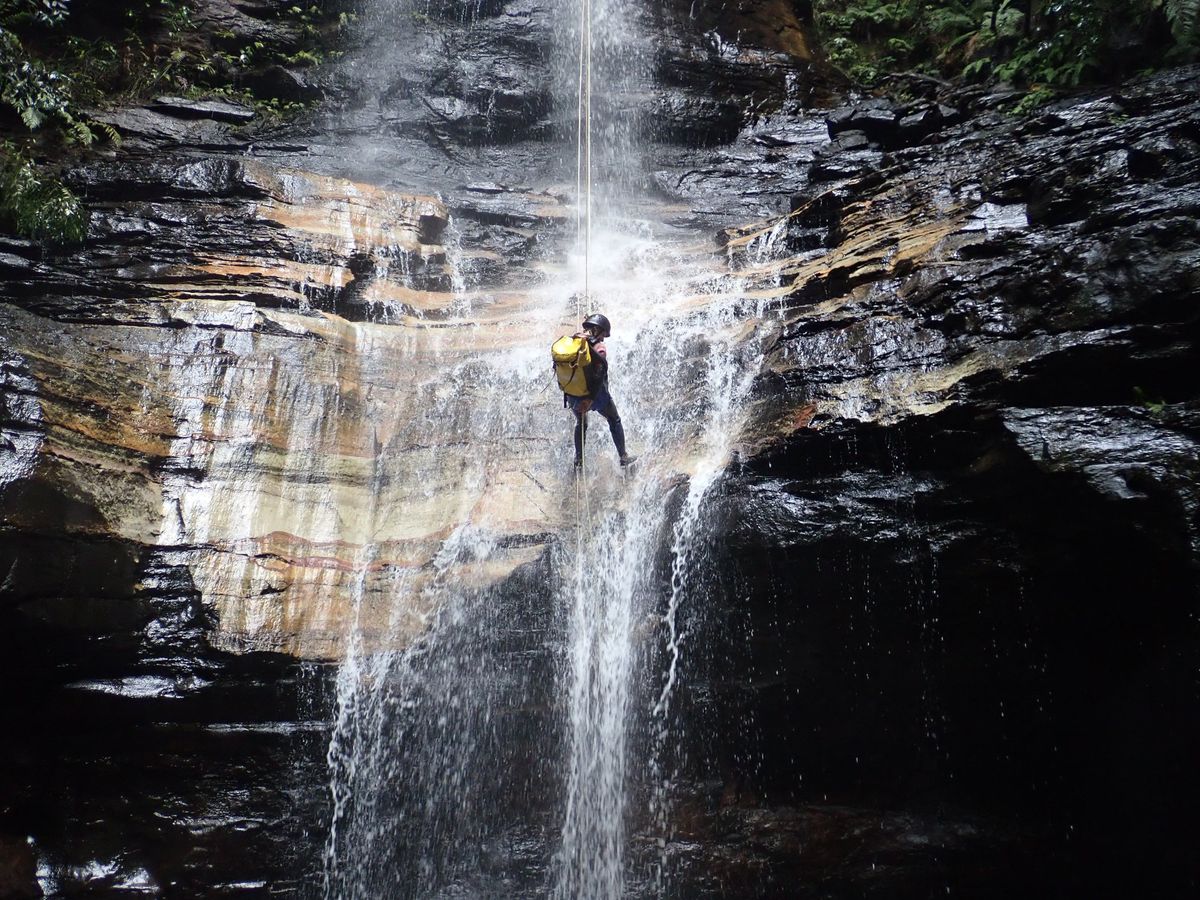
x,y
522,745
437,758
632,582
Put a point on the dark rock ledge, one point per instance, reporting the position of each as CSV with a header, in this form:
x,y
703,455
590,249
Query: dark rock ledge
x,y
959,548
950,640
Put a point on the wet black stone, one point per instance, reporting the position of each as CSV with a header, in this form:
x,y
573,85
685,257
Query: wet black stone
x,y
878,123
280,83
142,127
839,120
949,114
218,110
900,561
919,125
694,120
850,140
168,177
13,265
18,869
251,20
980,622
842,165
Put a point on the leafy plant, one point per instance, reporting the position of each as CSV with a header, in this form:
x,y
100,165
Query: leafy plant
x,y
60,57
1153,405
177,15
1038,96
303,58
1184,16
39,94
1037,44
46,12
37,206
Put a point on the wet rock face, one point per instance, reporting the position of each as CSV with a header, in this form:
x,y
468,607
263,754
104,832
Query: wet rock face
x,y
954,625
147,418
1054,256
166,529
952,574
960,549
144,763
18,870
829,850
265,335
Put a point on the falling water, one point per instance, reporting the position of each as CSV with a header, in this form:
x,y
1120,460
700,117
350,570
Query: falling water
x,y
517,746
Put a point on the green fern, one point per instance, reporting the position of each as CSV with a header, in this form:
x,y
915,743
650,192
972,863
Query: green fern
x,y
1063,43
32,117
80,132
51,12
1184,16
36,206
110,133
949,21
35,92
976,67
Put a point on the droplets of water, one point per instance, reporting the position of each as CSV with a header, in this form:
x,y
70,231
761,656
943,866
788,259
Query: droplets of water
x,y
548,706
682,366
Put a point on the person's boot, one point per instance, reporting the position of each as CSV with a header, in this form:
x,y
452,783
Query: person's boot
x,y
627,460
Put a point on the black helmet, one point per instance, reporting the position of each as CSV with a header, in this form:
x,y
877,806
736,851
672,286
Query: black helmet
x,y
595,320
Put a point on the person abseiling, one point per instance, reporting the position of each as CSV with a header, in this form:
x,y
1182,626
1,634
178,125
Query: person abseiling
x,y
596,328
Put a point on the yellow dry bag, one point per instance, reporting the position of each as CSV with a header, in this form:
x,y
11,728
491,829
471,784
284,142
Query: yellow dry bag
x,y
571,356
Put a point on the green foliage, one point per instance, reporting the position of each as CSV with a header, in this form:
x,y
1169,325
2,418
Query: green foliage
x,y
1184,16
177,16
1039,44
36,206
270,110
39,94
304,58
1156,406
1034,98
45,12
307,16
59,57
953,20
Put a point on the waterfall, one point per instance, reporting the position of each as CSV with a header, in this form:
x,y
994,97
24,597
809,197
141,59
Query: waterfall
x,y
523,741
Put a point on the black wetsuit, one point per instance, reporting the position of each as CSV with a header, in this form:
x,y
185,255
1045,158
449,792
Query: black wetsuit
x,y
596,375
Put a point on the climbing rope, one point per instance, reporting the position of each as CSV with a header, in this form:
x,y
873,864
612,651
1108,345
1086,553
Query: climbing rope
x,y
583,197
583,155
587,239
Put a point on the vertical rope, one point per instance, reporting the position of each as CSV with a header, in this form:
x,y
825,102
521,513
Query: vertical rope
x,y
583,182
582,103
587,241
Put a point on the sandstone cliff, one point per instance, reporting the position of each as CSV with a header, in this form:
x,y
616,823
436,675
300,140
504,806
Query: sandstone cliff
x,y
948,634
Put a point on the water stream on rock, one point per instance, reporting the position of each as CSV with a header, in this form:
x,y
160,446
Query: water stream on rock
x,y
521,745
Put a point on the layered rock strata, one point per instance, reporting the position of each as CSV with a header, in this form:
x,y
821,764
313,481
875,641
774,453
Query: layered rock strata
x,y
948,640
960,545
193,399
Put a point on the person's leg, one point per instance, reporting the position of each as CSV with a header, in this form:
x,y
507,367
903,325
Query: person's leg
x,y
580,436
615,427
